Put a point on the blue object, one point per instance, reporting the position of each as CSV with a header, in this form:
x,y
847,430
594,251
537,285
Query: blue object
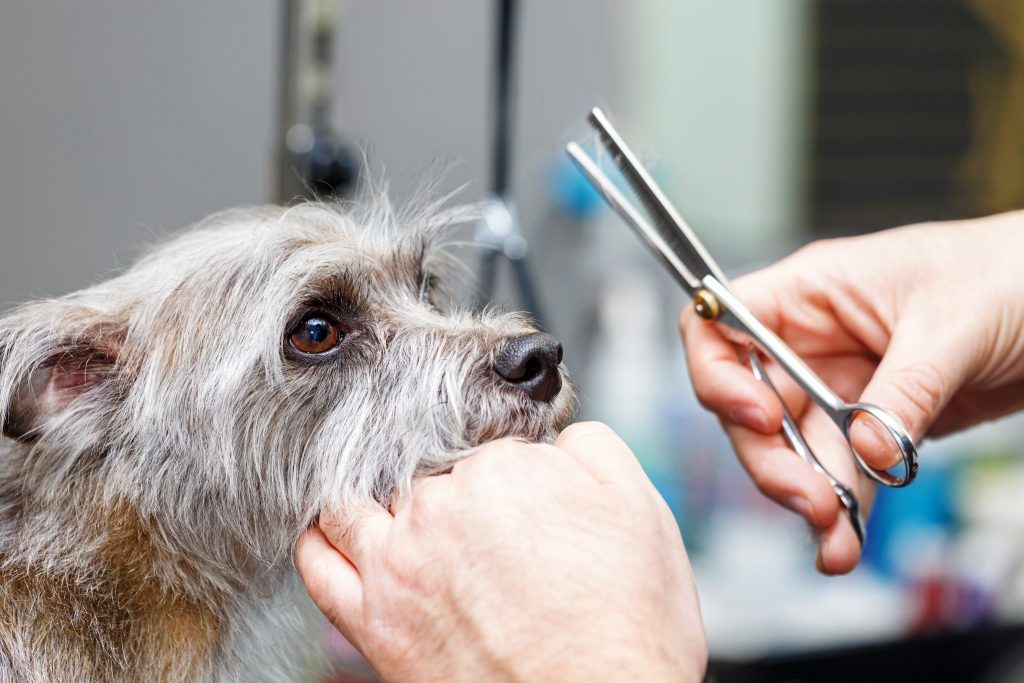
x,y
571,193
926,507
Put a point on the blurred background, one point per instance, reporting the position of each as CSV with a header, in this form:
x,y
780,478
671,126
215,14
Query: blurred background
x,y
770,123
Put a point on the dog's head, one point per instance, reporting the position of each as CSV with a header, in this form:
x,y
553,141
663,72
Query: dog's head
x,y
263,365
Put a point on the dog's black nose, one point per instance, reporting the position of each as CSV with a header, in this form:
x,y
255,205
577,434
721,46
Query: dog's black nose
x,y
530,364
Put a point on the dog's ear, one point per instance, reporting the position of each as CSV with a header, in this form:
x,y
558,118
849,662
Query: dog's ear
x,y
52,354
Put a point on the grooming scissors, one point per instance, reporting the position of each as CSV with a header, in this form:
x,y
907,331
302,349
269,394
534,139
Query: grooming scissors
x,y
675,244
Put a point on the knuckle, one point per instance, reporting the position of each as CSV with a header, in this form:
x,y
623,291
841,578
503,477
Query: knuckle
x,y
487,457
713,394
923,386
580,429
429,499
761,473
494,459
815,250
817,257
495,451
702,376
540,453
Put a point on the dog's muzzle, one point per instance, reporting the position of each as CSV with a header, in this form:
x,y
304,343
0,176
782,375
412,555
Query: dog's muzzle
x,y
530,364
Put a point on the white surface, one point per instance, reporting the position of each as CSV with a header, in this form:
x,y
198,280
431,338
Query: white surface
x,y
760,594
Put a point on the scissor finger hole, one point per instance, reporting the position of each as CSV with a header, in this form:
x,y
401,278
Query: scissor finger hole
x,y
881,445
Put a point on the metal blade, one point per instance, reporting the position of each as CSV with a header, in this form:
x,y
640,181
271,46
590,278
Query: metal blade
x,y
670,225
622,206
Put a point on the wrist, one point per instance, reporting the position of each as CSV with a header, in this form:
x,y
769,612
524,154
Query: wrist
x,y
615,649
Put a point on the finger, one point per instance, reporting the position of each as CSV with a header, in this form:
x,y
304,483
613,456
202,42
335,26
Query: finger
x,y
358,532
722,383
913,384
331,581
601,453
838,548
403,501
511,461
783,476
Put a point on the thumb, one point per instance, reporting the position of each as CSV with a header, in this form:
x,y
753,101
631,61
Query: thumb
x,y
333,557
332,582
915,380
358,531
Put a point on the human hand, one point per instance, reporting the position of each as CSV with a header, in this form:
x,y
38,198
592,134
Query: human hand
x,y
527,562
926,321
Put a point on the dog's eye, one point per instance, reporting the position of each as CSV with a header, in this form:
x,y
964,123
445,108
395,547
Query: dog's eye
x,y
316,334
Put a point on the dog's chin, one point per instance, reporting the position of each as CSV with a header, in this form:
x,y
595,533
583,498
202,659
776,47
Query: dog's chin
x,y
527,420
524,420
560,412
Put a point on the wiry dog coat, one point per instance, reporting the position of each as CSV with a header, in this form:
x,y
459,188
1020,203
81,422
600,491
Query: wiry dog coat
x,y
166,445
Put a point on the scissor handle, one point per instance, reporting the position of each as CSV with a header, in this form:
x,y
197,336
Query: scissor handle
x,y
734,314
844,418
799,444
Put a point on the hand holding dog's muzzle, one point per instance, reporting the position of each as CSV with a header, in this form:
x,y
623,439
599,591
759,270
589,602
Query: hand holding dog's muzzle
x,y
526,559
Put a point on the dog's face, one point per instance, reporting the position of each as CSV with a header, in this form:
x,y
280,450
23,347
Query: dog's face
x,y
265,365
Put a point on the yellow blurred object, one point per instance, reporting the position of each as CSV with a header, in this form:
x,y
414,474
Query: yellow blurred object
x,y
994,165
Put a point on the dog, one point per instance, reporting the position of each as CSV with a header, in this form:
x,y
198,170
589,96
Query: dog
x,y
170,432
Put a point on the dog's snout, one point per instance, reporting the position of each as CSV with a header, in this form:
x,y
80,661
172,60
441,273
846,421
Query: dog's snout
x,y
530,364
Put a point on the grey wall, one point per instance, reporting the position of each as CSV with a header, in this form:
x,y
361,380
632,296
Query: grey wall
x,y
415,83
121,120
719,90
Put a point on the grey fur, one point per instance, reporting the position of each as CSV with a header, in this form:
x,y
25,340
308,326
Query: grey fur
x,y
147,520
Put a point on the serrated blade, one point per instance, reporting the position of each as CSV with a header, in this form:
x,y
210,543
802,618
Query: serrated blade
x,y
668,223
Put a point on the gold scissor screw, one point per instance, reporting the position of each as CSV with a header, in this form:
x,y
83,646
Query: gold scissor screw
x,y
706,305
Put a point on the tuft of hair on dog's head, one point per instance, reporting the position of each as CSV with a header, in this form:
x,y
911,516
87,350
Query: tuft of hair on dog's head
x,y
173,391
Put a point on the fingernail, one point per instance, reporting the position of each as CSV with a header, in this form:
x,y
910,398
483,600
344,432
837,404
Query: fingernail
x,y
800,506
750,416
873,443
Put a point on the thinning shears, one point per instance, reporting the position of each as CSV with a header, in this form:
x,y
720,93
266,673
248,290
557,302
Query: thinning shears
x,y
676,245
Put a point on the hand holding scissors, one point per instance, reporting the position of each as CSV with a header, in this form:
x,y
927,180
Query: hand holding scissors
x,y
669,237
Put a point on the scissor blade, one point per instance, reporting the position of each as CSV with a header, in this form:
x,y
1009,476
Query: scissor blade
x,y
670,225
622,206
797,442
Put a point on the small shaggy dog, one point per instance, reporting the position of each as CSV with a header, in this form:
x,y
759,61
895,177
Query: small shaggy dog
x,y
169,433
